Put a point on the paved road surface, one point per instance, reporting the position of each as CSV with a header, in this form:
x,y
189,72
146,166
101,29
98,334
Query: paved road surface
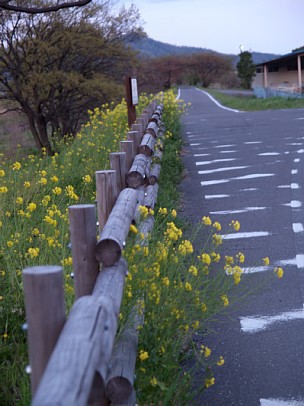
x,y
249,166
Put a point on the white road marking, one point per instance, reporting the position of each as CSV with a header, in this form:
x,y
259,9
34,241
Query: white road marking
x,y
249,189
216,196
300,151
201,154
214,182
281,402
255,175
195,144
297,227
217,103
225,146
227,152
291,186
300,261
215,161
294,171
258,323
232,168
296,160
251,234
295,143
253,142
269,153
294,186
294,204
251,176
300,118
245,210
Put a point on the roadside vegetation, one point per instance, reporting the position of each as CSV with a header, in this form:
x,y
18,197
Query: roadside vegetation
x,y
180,289
252,103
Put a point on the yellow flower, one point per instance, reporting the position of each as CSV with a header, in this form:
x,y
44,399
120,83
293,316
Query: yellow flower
x,y
16,166
57,190
220,362
153,381
279,271
173,213
35,232
206,221
31,207
217,239
229,260
45,201
215,256
225,300
87,179
185,247
163,211
19,200
166,281
206,351
3,189
235,224
2,173
206,259
143,355
241,257
204,307
27,184
33,252
217,226
133,229
144,211
209,382
9,244
188,286
43,181
193,270
54,179
266,261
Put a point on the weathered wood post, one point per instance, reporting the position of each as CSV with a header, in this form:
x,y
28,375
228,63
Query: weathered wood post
x,y
134,136
83,240
128,148
45,315
107,193
139,128
118,164
113,236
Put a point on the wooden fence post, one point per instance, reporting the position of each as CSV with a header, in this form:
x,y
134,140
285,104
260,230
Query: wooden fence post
x,y
128,148
118,164
83,240
135,137
107,193
45,315
139,128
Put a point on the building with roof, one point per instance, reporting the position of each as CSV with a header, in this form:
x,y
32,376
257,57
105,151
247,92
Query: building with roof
x,y
282,76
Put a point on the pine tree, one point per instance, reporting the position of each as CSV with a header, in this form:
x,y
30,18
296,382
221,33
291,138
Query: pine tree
x,y
246,69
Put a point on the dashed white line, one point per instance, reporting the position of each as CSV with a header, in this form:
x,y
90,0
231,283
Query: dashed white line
x,y
294,204
250,234
245,210
268,153
297,227
281,402
258,323
216,196
232,168
215,161
294,171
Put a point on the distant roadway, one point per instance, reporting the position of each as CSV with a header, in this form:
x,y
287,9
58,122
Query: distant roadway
x,y
249,166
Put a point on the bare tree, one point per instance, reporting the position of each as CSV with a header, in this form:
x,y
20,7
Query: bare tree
x,y
12,5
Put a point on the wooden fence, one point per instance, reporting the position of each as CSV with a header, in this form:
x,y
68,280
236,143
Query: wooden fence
x,y
78,361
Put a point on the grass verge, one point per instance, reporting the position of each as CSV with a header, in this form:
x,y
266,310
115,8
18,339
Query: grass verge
x,y
251,103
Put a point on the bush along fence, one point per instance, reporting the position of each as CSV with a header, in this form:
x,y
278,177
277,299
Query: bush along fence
x,y
78,361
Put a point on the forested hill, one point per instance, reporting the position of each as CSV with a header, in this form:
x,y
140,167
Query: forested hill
x,y
151,48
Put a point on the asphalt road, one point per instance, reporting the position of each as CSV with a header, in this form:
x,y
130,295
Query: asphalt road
x,y
249,166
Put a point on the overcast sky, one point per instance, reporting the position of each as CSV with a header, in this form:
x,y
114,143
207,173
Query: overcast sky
x,y
273,26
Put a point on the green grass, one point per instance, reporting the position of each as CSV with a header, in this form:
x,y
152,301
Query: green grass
x,y
251,103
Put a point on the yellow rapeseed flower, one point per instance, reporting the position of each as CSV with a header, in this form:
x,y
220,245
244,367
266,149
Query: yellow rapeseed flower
x,y
27,184
225,300
206,351
206,221
19,200
279,271
266,261
2,173
31,207
217,226
220,362
33,252
209,382
133,229
3,189
57,190
205,258
16,166
143,355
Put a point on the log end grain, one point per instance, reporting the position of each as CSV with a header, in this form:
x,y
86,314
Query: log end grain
x,y
107,252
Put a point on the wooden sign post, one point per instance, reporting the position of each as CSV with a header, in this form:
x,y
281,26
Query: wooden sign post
x,y
132,98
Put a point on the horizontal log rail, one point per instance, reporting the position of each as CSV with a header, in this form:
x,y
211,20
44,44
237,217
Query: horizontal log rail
x,y
75,362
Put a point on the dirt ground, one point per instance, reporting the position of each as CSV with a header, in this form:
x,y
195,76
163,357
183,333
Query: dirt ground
x,y
14,131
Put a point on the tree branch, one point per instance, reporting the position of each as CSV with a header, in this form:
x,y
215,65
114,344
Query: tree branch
x,y
6,5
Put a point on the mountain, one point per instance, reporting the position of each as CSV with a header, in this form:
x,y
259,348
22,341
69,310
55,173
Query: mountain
x,y
150,48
